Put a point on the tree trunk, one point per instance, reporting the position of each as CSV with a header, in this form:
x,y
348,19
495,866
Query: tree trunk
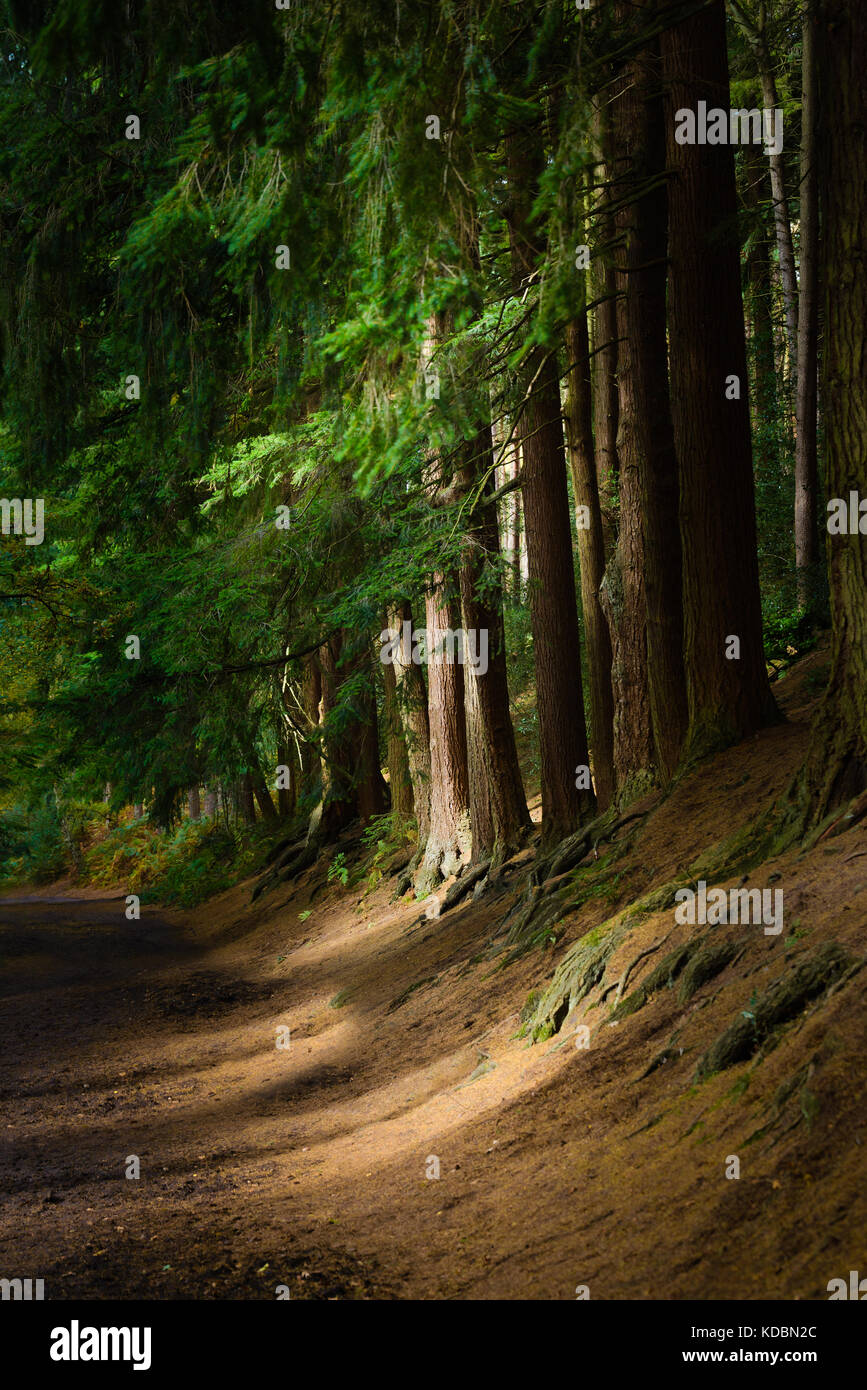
x,y
553,608
651,718
339,804
757,38
765,402
262,794
399,778
411,697
728,696
498,806
806,463
591,556
311,698
837,765
606,400
246,798
287,796
370,783
137,811
449,841
194,808
516,528
210,803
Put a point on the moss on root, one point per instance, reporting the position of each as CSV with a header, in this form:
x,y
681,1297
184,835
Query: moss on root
x,y
780,1003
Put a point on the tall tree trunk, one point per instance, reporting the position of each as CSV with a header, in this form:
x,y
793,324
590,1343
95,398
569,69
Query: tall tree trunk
x,y
449,841
370,783
311,699
652,714
412,703
806,462
837,765
194,809
399,778
757,38
553,608
764,398
339,803
287,796
727,687
246,800
591,556
498,806
262,794
606,399
516,528
210,803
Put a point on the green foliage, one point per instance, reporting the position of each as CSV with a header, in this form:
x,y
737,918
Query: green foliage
x,y
264,388
32,847
338,870
181,868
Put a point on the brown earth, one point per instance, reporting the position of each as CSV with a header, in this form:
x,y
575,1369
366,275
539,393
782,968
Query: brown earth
x,y
559,1165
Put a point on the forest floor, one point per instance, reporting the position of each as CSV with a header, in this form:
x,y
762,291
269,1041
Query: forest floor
x,y
559,1166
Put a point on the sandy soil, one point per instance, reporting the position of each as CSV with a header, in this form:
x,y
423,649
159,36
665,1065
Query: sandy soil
x,y
307,1167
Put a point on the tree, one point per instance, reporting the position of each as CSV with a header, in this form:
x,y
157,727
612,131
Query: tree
x,y
726,681
559,695
806,459
837,765
449,841
652,714
591,555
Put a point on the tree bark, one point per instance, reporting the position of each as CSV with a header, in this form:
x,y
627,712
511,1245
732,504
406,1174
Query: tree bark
x,y
339,802
651,717
262,794
311,699
370,783
728,697
399,778
194,809
498,806
764,397
757,38
286,796
412,703
836,768
591,556
806,461
449,841
606,399
553,607
247,804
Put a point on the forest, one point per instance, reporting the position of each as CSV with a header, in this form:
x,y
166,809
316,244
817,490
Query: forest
x,y
433,457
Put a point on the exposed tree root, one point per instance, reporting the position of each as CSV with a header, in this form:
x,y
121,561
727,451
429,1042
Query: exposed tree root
x,y
818,970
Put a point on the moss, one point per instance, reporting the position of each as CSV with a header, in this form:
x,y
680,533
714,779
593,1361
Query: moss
x,y
780,1003
663,976
705,965
581,969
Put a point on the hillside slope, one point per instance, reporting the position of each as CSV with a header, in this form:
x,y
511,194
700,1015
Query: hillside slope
x,y
560,1165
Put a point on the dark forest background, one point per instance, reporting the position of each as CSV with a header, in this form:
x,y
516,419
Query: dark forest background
x,y
383,313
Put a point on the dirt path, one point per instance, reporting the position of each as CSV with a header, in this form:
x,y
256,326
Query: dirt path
x,y
308,1167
